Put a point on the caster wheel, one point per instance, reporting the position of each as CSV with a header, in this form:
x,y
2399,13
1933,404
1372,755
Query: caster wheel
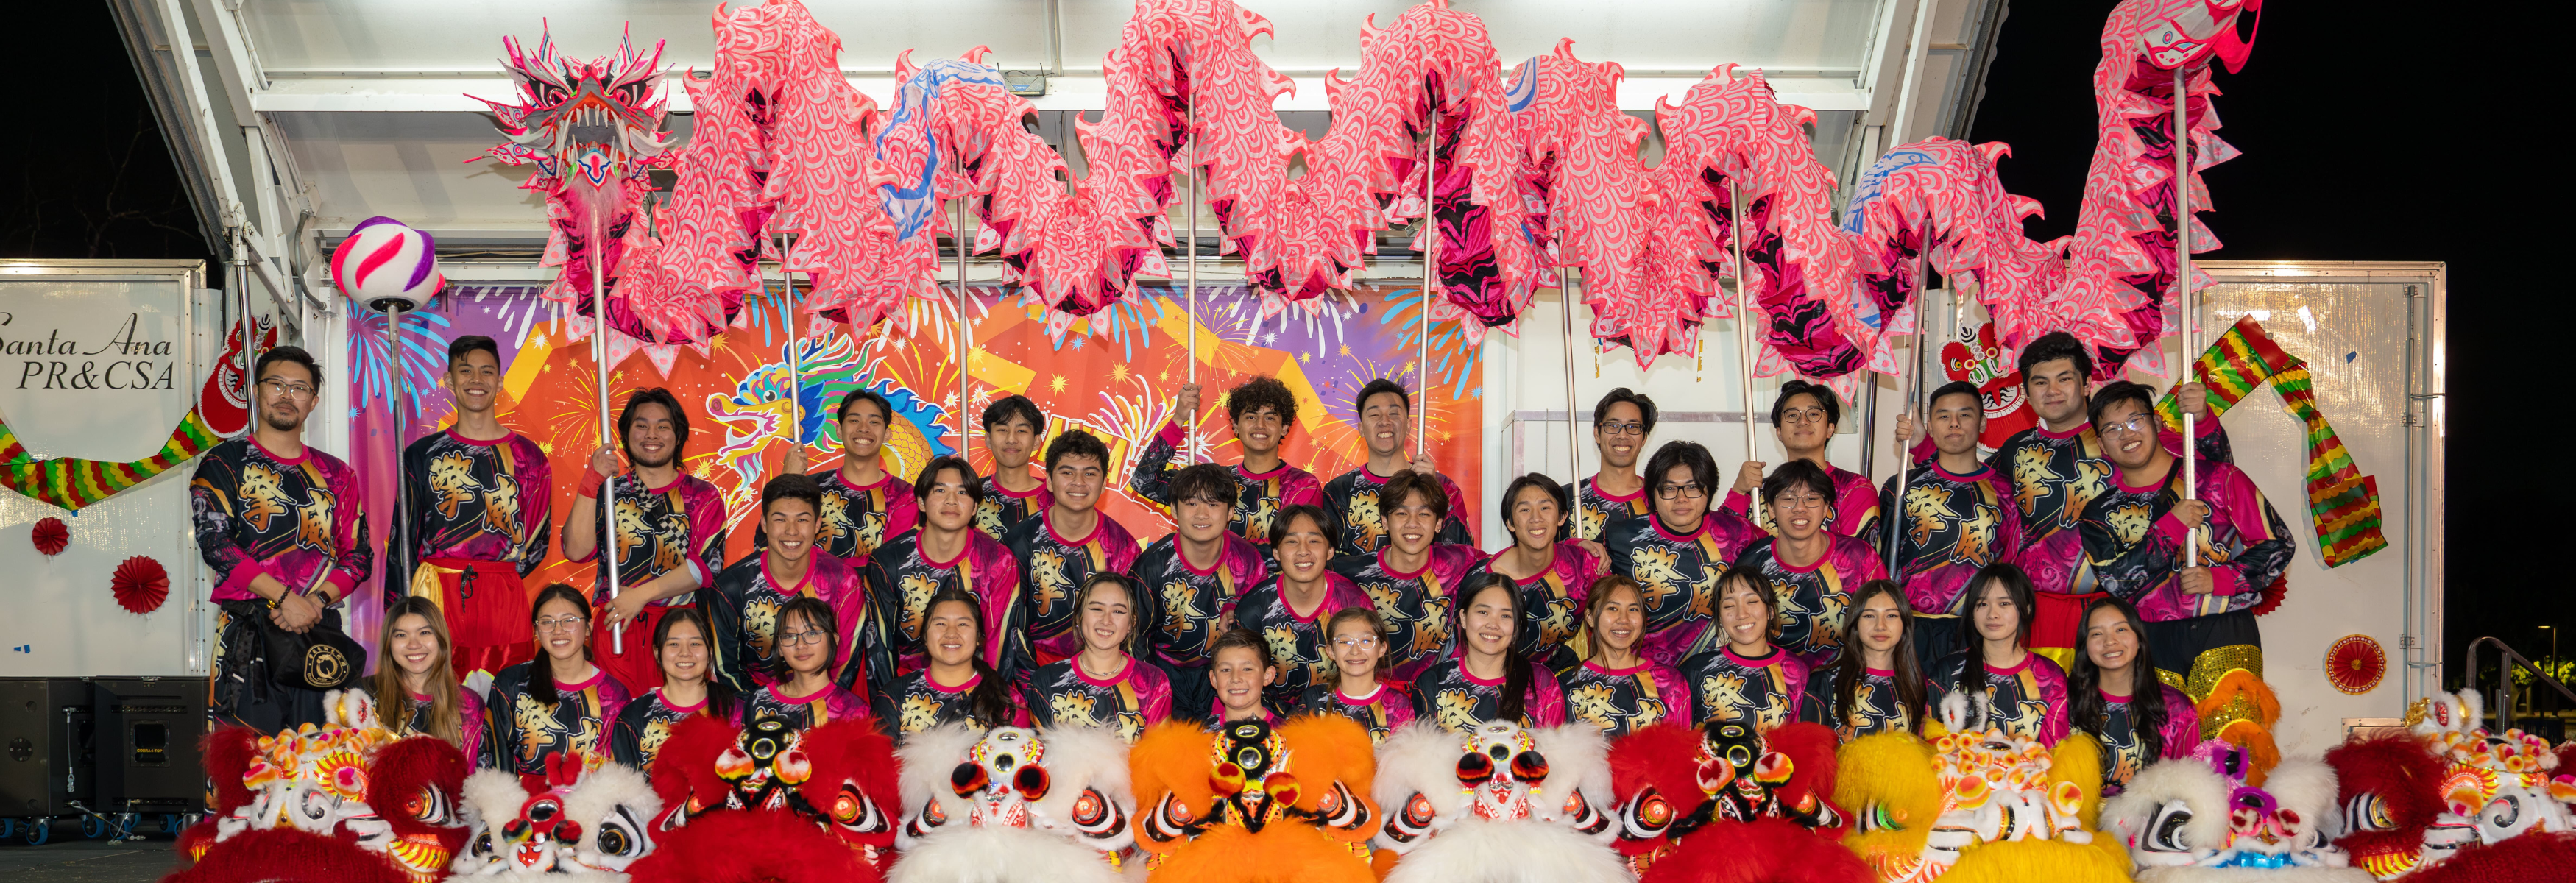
x,y
93,827
39,831
170,823
8,828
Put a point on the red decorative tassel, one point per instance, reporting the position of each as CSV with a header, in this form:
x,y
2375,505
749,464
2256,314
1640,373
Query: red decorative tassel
x,y
140,584
51,536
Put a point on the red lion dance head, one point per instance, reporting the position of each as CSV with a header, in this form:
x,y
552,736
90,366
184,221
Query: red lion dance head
x,y
343,803
1730,797
811,801
2449,800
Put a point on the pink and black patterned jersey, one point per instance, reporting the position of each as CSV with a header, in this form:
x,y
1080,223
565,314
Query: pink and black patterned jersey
x,y
1815,600
856,520
1678,575
1061,694
1455,699
1002,509
916,703
644,724
1552,602
1384,708
1418,606
1296,641
2028,699
1855,511
1352,497
1875,707
1258,496
678,526
1948,527
1763,691
831,703
743,607
2133,547
2054,476
1621,700
2127,751
476,500
295,519
1598,514
907,580
1052,567
412,719
525,732
1185,604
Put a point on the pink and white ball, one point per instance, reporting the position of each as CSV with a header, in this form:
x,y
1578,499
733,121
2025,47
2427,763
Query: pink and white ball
x,y
387,265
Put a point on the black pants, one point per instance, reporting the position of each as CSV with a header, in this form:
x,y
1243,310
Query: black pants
x,y
1192,695
1936,638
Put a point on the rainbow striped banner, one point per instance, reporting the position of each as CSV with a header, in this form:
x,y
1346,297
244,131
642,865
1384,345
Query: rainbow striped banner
x,y
71,482
2342,502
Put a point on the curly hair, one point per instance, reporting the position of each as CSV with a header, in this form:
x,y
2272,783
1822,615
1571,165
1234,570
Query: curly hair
x,y
1258,393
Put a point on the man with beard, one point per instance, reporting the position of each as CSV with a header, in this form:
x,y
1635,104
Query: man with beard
x,y
1804,417
1060,550
864,506
1191,578
1621,424
1412,581
948,552
1013,427
1356,498
280,525
1263,412
669,534
478,501
745,603
1955,516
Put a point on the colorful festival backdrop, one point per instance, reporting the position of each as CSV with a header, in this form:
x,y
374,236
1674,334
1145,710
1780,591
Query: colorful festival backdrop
x,y
1114,374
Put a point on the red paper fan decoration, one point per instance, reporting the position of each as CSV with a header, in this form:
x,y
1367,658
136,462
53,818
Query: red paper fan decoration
x,y
140,584
2355,663
51,536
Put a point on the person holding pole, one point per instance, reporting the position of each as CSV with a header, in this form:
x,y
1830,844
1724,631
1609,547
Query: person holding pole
x,y
1955,516
1059,552
1013,431
1804,417
480,516
669,534
1263,412
279,525
1621,424
864,506
1385,420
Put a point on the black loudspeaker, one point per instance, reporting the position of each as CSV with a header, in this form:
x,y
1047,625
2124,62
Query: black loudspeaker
x,y
148,730
46,742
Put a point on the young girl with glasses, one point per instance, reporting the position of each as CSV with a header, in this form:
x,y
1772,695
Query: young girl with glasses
x,y
557,703
1354,689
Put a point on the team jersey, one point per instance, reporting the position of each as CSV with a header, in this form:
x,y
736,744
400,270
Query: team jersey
x,y
678,526
1875,706
1258,496
1186,603
2027,699
1854,513
1352,497
1385,707
1814,599
412,719
1762,690
294,519
1052,567
1003,509
2126,751
831,703
907,579
1419,605
1678,574
1598,514
743,607
476,500
1455,699
525,732
916,703
857,520
644,724
1552,602
1061,694
2133,547
1948,527
1620,700
1297,642
2055,476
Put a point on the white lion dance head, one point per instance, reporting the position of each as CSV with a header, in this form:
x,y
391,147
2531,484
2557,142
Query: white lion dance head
x,y
586,818
1501,802
1013,805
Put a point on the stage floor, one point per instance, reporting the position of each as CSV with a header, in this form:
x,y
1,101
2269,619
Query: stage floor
x,y
69,858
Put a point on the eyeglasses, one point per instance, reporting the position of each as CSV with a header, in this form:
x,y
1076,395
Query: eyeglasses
x,y
809,636
291,388
1680,491
1797,501
561,623
1356,643
1803,415
2138,425
1623,427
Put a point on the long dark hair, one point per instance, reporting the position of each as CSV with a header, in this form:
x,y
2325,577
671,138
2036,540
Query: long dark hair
x,y
719,693
2016,585
541,675
989,705
1849,672
445,721
817,615
1516,667
2085,706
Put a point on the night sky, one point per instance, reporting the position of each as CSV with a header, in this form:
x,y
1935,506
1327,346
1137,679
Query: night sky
x,y
2370,131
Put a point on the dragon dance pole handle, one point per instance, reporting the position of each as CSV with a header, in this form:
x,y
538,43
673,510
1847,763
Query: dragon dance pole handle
x,y
2183,296
607,489
795,349
1573,440
1190,253
1430,285
1743,333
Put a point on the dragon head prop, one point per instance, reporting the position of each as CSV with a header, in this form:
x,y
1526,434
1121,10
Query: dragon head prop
x,y
342,801
2450,799
1012,804
812,798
